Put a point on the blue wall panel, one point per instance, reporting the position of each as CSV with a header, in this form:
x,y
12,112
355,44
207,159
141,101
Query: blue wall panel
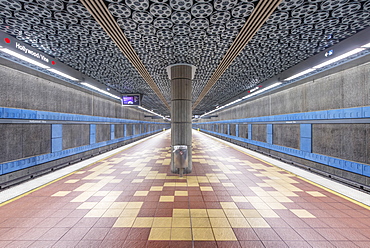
x,y
269,133
92,134
56,137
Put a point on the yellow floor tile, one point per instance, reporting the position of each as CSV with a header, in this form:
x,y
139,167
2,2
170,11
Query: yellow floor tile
x,y
169,184
196,213
181,234
119,205
131,212
112,212
87,205
166,198
233,213
302,213
181,184
156,188
268,213
203,234
200,222
125,172
95,213
219,222
61,193
162,222
257,223
260,205
124,222
134,204
143,222
313,193
181,193
72,181
141,193
250,213
276,205
160,234
103,204
137,181
224,234
181,222
180,213
228,184
238,223
216,213
206,188
239,199
228,205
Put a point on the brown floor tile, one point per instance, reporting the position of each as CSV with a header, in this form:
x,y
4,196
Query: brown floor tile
x,y
205,244
138,234
89,244
42,244
76,233
20,243
134,244
158,244
251,244
245,234
181,244
274,244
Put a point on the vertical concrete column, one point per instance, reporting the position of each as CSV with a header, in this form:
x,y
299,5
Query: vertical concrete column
x,y
181,113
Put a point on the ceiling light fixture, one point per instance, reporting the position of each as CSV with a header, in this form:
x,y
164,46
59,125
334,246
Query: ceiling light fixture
x,y
24,58
343,56
299,74
100,90
366,45
63,74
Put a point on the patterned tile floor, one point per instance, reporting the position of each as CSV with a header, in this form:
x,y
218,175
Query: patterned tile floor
x,y
231,199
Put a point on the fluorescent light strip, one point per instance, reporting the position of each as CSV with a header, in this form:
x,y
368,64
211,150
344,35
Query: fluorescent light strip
x,y
343,56
20,56
154,113
299,74
366,45
100,90
63,74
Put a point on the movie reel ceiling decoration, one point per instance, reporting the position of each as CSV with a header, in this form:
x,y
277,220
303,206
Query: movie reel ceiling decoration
x,y
198,32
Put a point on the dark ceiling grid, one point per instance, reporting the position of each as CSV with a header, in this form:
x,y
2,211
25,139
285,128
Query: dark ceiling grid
x,y
296,31
66,31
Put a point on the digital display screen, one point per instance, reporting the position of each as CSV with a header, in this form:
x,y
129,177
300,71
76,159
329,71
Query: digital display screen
x,y
131,100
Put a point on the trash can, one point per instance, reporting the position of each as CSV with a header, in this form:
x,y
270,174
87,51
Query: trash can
x,y
180,158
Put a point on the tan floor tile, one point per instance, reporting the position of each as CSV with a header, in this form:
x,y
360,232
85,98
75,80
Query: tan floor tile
x,y
206,188
101,193
228,205
219,222
315,193
276,205
257,223
141,193
72,181
233,213
239,199
137,181
125,172
169,184
143,222
134,204
268,213
119,205
162,222
160,234
181,222
302,213
196,213
200,222
132,212
181,184
124,222
95,213
238,223
156,188
203,234
181,234
103,205
224,234
112,212
181,193
260,205
87,205
166,198
61,193
180,213
216,213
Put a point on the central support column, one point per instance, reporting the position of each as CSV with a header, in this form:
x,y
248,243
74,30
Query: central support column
x,y
181,113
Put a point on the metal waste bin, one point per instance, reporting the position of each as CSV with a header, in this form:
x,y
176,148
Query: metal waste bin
x,y
180,158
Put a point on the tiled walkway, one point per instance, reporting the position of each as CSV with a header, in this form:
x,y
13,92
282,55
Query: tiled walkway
x,y
230,200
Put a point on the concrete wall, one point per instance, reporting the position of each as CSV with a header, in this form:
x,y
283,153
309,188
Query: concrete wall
x,y
24,88
344,87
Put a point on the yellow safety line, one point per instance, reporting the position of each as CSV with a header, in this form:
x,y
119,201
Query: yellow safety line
x,y
313,183
44,185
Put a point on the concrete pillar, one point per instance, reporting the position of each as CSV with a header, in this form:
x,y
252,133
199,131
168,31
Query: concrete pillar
x,y
181,113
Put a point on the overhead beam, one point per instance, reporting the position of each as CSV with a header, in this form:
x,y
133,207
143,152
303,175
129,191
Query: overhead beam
x,y
258,17
101,14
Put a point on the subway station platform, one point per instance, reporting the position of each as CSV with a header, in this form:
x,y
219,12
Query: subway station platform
x,y
232,199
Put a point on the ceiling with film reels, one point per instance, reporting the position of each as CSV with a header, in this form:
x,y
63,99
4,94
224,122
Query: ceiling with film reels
x,y
198,32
